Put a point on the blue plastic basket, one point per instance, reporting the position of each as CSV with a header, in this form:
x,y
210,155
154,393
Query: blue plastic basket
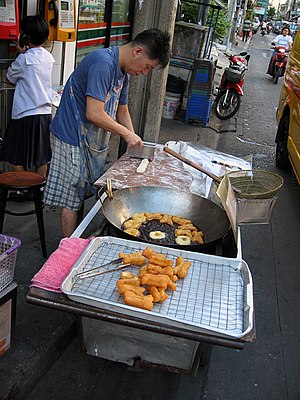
x,y
8,254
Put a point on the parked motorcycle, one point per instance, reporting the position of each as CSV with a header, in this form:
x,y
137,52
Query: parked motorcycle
x,y
279,62
228,100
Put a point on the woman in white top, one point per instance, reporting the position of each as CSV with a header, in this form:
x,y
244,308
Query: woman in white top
x,y
284,39
26,143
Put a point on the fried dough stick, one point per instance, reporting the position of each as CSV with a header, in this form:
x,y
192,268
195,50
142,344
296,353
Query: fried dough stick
x,y
161,281
132,281
133,259
148,252
140,301
159,295
156,269
130,288
181,267
161,263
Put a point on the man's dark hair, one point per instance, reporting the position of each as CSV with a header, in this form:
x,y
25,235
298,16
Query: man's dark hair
x,y
156,43
36,29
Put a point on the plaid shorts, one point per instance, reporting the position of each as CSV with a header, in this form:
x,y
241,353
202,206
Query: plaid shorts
x,y
64,174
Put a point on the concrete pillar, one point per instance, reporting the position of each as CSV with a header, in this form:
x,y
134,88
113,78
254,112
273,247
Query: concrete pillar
x,y
147,93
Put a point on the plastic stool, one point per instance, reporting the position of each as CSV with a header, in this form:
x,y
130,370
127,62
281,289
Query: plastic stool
x,y
24,181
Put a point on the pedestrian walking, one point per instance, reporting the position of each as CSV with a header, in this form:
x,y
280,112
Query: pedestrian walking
x,y
96,96
246,29
26,143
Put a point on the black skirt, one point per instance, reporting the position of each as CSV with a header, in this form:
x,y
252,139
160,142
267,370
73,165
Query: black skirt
x,y
26,141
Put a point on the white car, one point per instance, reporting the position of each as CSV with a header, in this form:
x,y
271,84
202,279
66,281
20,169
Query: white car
x,y
255,24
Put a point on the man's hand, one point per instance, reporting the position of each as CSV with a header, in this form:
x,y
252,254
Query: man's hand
x,y
133,140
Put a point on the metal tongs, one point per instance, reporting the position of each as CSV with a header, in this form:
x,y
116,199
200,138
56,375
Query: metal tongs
x,y
90,273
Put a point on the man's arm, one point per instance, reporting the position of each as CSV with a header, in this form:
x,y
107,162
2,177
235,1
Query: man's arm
x,y
123,117
96,115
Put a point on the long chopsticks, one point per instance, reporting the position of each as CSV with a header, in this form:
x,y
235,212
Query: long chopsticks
x,y
103,272
196,166
113,262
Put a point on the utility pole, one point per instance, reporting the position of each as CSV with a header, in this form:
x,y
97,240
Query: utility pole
x,y
234,21
231,12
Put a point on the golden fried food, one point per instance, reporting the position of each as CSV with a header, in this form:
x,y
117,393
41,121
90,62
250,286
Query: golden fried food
x,y
157,235
151,216
156,280
179,262
140,217
156,269
143,271
148,252
154,293
163,294
171,285
127,275
133,281
162,263
133,259
166,219
188,227
130,223
181,221
140,301
135,289
183,232
183,240
181,268
198,237
132,232
184,269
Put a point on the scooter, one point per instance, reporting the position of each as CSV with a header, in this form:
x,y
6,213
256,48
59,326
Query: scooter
x,y
263,31
228,100
279,62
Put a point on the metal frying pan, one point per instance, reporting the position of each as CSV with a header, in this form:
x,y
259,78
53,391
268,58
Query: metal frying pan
x,y
204,214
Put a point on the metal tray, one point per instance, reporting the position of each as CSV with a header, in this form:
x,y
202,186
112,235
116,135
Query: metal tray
x,y
216,296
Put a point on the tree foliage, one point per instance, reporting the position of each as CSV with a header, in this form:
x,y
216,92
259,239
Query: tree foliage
x,y
271,12
189,13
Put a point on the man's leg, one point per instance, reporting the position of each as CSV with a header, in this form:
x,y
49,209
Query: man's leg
x,y
69,220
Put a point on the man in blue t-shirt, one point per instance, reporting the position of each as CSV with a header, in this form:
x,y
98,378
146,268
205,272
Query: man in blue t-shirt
x,y
95,97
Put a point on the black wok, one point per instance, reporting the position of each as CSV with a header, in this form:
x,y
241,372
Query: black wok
x,y
204,214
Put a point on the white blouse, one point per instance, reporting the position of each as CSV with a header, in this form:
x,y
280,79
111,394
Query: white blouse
x,y
31,73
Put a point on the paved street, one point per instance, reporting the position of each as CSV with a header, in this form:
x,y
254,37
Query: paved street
x,y
268,368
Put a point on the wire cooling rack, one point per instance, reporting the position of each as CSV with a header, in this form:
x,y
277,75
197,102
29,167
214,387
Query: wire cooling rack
x,y
216,295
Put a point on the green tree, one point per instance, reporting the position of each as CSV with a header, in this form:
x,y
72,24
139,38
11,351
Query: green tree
x,y
271,12
189,13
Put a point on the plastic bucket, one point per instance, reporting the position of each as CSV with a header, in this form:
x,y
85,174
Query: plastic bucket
x,y
170,106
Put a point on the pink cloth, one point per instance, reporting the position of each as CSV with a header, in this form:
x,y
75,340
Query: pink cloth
x,y
58,265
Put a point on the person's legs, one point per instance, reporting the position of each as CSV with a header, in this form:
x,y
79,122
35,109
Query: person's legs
x,y
61,188
244,34
69,220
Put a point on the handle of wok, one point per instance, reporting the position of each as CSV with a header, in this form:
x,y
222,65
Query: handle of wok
x,y
192,164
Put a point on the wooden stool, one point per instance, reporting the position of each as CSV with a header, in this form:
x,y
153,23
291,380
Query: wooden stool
x,y
24,181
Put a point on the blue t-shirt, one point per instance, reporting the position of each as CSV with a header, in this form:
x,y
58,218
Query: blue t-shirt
x,y
98,75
